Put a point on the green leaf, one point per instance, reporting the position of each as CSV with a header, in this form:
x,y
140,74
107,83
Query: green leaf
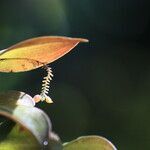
x,y
19,138
89,143
24,126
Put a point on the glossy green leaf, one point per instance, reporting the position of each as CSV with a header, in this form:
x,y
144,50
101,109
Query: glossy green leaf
x,y
89,143
17,109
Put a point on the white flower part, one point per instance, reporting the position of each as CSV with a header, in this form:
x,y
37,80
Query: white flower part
x,y
46,82
45,88
48,99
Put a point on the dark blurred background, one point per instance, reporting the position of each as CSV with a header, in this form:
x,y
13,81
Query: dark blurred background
x,y
101,87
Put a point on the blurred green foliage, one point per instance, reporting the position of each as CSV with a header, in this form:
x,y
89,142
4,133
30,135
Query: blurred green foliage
x,y
101,87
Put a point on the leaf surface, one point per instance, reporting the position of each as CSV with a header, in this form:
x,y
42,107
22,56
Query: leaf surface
x,y
33,53
89,143
24,126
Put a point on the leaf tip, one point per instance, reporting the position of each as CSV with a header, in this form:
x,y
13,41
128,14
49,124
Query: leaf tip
x,y
81,40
